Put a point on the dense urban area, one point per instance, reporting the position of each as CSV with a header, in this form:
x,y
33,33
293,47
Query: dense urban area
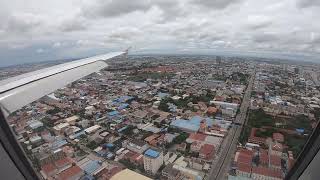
x,y
172,117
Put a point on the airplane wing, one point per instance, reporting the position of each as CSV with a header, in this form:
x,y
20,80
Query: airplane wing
x,y
21,90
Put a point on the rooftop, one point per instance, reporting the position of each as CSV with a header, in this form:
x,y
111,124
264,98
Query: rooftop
x,y
152,153
70,172
128,174
266,171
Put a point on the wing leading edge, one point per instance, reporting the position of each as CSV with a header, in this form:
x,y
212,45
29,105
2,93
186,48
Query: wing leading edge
x,y
21,90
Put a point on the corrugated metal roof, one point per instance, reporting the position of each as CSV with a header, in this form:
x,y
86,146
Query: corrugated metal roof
x,y
152,153
91,166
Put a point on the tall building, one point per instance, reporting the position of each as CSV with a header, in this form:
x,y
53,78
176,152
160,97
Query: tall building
x,y
152,159
218,60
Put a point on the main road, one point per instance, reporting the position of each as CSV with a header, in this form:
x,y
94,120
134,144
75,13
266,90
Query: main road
x,y
220,166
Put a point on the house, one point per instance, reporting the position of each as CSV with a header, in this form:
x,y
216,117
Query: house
x,y
195,146
206,151
171,174
135,145
266,173
72,173
243,170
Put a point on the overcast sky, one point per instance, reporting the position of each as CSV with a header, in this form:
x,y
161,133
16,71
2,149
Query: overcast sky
x,y
36,30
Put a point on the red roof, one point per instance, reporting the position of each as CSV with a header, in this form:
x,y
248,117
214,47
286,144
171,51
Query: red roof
x,y
48,168
70,172
278,137
206,150
266,172
62,162
198,136
275,160
244,167
245,156
264,157
212,110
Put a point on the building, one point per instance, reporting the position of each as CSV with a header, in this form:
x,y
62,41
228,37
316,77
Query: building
x,y
206,151
263,173
243,170
128,174
72,120
72,173
92,129
135,145
171,174
152,159
195,146
47,156
59,129
229,109
192,125
35,124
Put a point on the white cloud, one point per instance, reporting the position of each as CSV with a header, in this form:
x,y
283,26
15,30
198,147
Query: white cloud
x,y
74,28
40,50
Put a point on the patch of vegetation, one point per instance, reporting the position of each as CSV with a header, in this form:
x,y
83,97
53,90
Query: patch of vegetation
x,y
47,122
181,138
258,118
265,133
245,133
295,143
54,111
163,106
92,145
131,165
240,77
300,121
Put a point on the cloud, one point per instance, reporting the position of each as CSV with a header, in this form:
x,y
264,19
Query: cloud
x,y
40,50
308,3
265,37
112,8
215,4
75,28
74,24
258,22
56,45
23,22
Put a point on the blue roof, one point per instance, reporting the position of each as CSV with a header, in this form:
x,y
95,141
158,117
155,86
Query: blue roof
x,y
123,106
185,124
108,145
152,153
91,166
123,99
197,120
58,143
162,95
191,125
74,136
113,113
123,128
88,177
300,130
110,155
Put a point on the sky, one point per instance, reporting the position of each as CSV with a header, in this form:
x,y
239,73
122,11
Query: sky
x,y
41,30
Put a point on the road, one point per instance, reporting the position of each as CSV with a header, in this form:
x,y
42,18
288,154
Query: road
x,y
220,166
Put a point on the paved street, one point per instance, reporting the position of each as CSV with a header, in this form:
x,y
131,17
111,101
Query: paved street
x,y
220,166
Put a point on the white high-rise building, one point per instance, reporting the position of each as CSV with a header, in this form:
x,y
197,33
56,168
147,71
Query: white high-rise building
x,y
152,159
